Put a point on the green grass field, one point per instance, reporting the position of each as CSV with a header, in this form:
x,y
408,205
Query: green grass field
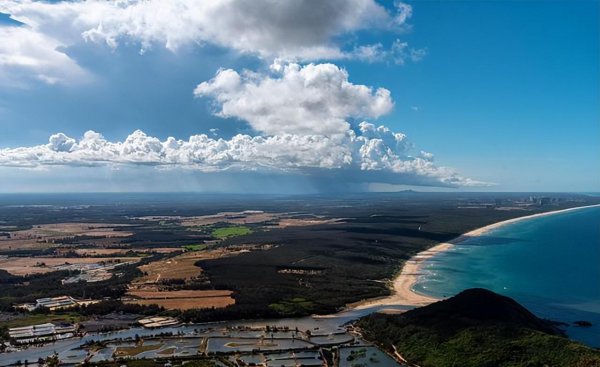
x,y
226,232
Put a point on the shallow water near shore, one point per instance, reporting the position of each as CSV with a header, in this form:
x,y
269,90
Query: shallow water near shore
x,y
549,264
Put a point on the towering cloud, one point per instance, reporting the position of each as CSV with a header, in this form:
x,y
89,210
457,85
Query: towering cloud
x,y
311,99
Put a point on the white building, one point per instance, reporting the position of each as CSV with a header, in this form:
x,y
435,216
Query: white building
x,y
56,303
41,333
158,321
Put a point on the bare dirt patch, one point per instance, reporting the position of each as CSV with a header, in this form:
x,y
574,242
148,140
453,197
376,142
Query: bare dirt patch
x,y
187,303
179,294
183,299
178,267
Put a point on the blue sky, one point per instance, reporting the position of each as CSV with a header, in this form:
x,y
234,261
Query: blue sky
x,y
504,94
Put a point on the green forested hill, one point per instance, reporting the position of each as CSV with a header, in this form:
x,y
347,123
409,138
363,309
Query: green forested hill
x,y
476,328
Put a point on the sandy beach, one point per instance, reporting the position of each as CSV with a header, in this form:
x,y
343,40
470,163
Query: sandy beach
x,y
403,293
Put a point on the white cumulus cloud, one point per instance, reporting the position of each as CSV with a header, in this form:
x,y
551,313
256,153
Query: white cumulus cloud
x,y
374,154
267,27
298,29
27,55
310,99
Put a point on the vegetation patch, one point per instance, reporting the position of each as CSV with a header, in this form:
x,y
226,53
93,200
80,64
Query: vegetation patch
x,y
227,232
476,328
357,354
34,319
294,306
134,351
195,247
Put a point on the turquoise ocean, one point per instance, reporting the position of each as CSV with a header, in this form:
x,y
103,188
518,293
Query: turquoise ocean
x,y
549,264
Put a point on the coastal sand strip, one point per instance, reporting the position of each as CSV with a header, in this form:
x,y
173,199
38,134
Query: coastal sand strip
x,y
403,292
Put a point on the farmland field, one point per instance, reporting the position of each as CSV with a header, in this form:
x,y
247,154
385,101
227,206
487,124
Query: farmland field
x,y
45,235
227,232
179,294
178,267
183,299
163,282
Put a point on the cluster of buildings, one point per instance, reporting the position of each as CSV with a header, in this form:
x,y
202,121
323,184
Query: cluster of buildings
x,y
90,273
513,203
301,271
90,276
158,321
49,332
54,303
41,333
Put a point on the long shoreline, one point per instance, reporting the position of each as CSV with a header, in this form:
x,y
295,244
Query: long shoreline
x,y
403,284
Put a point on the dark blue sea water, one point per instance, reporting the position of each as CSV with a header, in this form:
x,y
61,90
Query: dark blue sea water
x,y
549,264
